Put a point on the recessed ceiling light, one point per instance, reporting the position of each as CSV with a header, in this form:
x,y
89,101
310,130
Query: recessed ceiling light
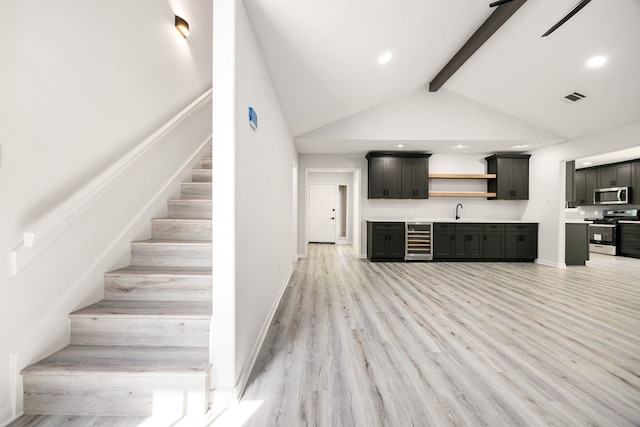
x,y
400,145
596,61
459,146
521,146
384,58
586,163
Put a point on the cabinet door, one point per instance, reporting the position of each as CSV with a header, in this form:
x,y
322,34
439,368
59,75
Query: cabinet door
x,y
493,241
443,241
378,242
590,184
395,243
376,178
415,178
519,178
630,239
503,190
606,176
521,241
635,182
392,177
468,241
580,197
623,175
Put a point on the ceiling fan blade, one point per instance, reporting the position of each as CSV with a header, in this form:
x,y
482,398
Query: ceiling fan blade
x,y
499,2
575,10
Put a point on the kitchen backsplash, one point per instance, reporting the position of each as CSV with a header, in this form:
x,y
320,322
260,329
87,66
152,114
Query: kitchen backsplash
x,y
583,212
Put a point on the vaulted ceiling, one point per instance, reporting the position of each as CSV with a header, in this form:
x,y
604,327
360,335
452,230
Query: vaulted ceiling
x,y
322,56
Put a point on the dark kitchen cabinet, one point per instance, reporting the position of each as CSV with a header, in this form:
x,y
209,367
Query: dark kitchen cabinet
x,y
398,175
635,182
415,173
493,241
629,239
385,241
444,240
468,241
617,175
521,241
385,175
586,180
512,176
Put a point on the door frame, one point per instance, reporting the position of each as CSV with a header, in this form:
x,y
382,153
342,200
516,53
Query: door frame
x,y
354,194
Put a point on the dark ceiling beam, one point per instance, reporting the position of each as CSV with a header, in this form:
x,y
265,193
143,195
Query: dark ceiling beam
x,y
482,34
575,10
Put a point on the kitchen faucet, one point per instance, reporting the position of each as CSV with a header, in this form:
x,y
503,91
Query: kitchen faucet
x,y
459,205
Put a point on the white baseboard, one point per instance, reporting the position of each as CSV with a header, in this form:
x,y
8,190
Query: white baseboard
x,y
302,256
253,356
551,263
6,416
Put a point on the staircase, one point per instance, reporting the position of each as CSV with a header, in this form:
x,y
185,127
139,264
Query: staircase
x,y
144,349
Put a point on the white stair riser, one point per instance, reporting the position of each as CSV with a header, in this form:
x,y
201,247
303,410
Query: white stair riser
x,y
196,190
190,209
207,163
115,395
201,175
180,230
139,332
157,288
171,255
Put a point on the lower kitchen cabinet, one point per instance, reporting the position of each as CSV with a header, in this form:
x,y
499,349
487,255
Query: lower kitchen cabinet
x,y
493,241
521,242
629,239
444,240
468,241
385,241
485,242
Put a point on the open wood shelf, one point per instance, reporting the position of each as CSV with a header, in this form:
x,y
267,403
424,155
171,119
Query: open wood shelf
x,y
462,175
459,194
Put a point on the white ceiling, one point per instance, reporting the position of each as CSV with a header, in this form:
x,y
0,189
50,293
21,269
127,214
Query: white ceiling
x,y
322,58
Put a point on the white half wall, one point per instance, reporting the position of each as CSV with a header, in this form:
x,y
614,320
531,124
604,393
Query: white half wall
x,y
253,200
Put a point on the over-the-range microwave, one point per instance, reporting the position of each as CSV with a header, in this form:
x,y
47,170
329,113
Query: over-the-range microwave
x,y
612,196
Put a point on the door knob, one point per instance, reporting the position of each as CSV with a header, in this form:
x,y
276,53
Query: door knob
x,y
332,217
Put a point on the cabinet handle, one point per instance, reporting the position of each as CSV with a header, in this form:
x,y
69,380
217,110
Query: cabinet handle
x,y
484,237
453,237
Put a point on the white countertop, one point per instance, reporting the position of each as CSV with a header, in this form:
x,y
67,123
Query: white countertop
x,y
577,221
629,222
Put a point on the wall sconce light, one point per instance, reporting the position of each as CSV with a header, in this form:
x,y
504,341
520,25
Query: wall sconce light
x,y
182,26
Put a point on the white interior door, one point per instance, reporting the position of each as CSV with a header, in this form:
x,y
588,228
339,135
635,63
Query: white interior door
x,y
322,213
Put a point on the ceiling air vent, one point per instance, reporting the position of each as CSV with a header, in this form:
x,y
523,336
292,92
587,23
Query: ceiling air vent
x,y
575,96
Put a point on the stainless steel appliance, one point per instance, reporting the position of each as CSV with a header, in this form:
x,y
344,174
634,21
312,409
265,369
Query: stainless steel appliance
x,y
603,232
612,196
418,241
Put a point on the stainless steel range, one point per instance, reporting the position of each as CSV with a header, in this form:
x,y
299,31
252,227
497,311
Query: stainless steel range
x,y
603,232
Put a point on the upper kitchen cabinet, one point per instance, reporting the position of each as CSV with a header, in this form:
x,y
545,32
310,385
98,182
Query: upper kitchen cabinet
x,y
512,176
586,181
635,182
614,175
398,175
415,173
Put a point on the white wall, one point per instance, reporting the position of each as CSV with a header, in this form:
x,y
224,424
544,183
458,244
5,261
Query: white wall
x,y
255,182
440,208
81,85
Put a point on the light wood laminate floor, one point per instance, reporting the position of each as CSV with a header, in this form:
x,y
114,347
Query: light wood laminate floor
x,y
356,343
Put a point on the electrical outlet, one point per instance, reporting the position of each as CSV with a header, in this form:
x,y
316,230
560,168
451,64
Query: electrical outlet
x,y
597,213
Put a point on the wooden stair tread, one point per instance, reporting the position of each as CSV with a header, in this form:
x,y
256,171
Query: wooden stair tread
x,y
147,309
161,271
172,242
93,359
